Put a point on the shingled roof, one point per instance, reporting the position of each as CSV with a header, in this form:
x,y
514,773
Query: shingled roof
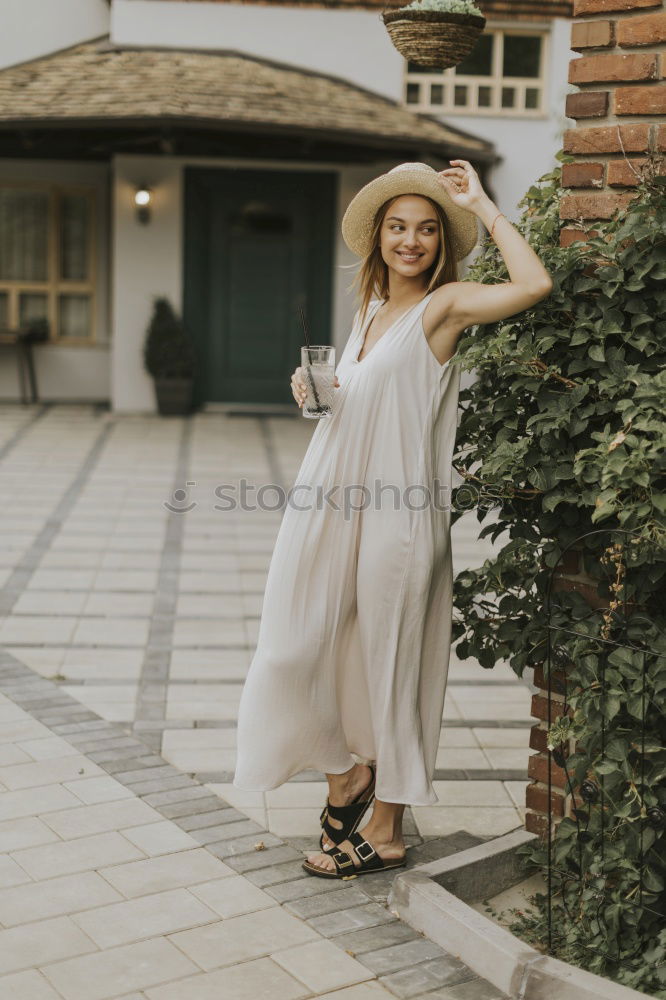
x,y
101,86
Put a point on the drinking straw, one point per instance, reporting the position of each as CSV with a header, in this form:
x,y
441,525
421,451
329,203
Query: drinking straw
x,y
305,327
307,367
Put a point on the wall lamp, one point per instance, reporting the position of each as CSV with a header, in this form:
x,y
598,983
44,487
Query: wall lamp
x,y
142,199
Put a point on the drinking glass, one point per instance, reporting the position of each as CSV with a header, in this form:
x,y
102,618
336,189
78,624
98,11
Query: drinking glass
x,y
318,363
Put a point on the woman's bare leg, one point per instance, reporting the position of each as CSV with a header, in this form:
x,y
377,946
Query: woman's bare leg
x,y
344,788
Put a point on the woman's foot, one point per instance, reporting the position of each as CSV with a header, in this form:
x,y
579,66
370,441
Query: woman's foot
x,y
388,845
343,789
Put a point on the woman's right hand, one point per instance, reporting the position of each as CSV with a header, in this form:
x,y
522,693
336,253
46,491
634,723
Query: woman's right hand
x,y
298,386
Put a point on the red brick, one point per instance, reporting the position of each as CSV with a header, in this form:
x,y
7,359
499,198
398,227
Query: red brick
x,y
612,68
576,801
582,7
593,104
557,680
592,35
570,562
650,29
539,708
569,236
590,206
538,738
537,768
583,175
660,139
564,581
597,205
536,797
607,139
620,173
537,823
640,100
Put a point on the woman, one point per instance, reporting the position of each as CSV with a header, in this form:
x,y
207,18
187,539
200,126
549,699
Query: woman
x,y
350,670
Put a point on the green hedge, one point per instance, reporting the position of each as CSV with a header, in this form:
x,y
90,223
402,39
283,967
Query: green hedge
x,y
563,433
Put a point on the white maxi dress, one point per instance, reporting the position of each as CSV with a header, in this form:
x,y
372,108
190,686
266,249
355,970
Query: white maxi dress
x,y
353,648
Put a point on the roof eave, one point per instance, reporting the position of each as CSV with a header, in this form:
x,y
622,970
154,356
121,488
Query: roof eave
x,y
374,141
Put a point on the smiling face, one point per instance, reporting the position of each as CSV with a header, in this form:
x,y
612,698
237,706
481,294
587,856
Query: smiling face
x,y
409,235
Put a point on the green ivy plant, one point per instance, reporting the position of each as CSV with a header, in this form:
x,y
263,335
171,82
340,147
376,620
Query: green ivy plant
x,y
446,6
563,433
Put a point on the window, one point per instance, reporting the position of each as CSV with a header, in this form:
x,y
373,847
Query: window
x,y
504,73
436,93
521,56
480,60
413,93
46,259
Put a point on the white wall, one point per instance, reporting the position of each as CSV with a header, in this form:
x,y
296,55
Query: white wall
x,y
146,262
148,259
64,374
143,261
355,45
349,44
32,28
67,373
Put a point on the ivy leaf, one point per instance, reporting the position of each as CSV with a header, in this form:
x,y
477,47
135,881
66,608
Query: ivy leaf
x,y
612,707
551,501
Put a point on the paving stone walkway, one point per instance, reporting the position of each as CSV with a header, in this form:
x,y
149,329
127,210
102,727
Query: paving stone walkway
x,y
129,607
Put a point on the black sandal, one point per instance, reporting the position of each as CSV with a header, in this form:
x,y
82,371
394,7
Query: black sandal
x,y
345,867
350,816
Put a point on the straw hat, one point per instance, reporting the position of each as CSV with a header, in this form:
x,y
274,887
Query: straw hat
x,y
407,178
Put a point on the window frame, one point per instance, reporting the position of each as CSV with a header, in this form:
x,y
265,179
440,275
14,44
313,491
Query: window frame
x,y
495,80
55,286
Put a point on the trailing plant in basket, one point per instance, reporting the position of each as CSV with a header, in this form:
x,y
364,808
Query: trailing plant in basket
x,y
446,6
565,431
435,34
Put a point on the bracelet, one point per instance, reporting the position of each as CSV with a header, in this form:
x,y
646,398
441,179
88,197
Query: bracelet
x,y
494,221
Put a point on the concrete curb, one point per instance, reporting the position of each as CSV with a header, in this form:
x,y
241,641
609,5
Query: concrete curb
x,y
419,897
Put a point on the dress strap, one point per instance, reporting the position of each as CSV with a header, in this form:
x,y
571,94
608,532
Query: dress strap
x,y
425,300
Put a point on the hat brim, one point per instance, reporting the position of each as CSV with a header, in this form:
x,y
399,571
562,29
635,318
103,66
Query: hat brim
x,y
359,217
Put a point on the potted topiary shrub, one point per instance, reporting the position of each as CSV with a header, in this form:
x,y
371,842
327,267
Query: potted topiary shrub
x,y
435,33
169,357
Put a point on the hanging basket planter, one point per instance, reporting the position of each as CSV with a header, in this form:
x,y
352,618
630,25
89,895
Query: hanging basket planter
x,y
433,38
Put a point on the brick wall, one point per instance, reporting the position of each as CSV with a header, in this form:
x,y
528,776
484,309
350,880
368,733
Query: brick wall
x,y
620,107
620,115
569,575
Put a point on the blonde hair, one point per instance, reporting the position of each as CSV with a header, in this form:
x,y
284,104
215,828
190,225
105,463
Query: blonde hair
x,y
372,276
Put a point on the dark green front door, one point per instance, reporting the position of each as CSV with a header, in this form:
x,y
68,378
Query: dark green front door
x,y
258,244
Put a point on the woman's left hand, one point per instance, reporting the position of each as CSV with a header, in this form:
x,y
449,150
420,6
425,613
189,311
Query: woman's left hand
x,y
462,184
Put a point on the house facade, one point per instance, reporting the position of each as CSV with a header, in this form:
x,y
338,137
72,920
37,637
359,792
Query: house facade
x,y
248,127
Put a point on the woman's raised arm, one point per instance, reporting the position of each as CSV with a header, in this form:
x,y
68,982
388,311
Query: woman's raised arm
x,y
466,303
